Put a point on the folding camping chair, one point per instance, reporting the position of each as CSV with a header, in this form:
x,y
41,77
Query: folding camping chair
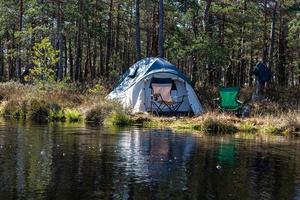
x,y
228,99
161,98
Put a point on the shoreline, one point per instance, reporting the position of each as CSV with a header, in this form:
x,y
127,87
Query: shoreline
x,y
68,104
208,124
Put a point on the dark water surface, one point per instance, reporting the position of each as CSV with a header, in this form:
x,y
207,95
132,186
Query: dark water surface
x,y
78,162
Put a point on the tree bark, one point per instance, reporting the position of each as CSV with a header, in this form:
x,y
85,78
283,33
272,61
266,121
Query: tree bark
x,y
88,63
19,60
10,58
205,14
78,70
1,61
109,38
161,29
272,36
154,38
102,54
65,55
148,32
60,42
117,40
281,69
265,36
71,61
137,30
93,64
243,50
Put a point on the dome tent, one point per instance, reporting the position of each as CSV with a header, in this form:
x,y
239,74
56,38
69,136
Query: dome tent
x,y
134,88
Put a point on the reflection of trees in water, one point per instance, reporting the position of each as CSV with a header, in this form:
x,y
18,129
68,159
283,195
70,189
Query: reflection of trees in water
x,y
88,165
259,171
28,161
272,174
70,163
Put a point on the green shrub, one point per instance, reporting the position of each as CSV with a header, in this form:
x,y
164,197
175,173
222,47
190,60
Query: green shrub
x,y
215,126
14,109
96,115
150,123
118,119
38,110
56,113
73,115
272,129
98,89
247,127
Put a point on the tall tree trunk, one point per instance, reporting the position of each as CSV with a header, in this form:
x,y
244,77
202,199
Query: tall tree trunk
x,y
193,63
102,55
243,50
10,58
71,61
1,61
272,36
109,38
93,64
207,18
60,42
88,64
265,35
101,69
281,71
148,32
118,28
205,14
65,56
78,70
154,38
251,63
137,30
221,75
161,29
19,60
78,56
129,42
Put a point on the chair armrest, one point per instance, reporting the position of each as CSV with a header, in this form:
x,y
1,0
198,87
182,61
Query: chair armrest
x,y
216,99
240,102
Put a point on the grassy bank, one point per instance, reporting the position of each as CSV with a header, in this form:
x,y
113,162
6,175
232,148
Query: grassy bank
x,y
88,105
216,123
59,104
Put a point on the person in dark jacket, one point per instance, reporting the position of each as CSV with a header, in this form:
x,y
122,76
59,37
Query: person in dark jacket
x,y
263,75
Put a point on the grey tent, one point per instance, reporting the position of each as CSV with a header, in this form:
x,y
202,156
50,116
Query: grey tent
x,y
134,89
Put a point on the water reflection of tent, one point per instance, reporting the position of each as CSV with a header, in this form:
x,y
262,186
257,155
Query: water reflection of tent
x,y
153,154
226,153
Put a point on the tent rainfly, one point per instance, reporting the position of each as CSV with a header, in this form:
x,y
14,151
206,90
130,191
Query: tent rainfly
x,y
134,90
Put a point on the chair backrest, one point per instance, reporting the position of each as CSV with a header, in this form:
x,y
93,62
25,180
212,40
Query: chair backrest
x,y
228,96
163,91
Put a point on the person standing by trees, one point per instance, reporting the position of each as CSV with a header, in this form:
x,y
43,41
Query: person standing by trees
x,y
263,75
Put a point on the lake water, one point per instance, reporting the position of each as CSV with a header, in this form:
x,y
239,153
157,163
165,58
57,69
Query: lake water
x,y
82,162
